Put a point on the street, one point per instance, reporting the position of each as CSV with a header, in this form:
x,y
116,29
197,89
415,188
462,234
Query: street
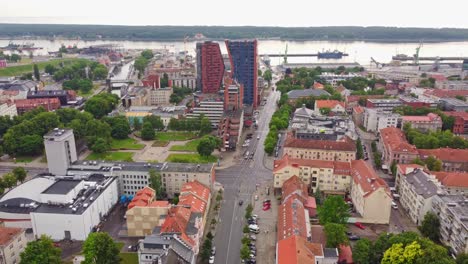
x,y
239,183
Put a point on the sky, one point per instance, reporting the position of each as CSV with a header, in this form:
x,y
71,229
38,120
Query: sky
x,y
289,13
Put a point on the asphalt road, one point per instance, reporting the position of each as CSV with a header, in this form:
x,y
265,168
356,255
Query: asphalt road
x,y
239,182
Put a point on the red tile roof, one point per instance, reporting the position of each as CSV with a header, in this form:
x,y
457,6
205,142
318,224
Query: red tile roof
x,y
441,93
143,197
160,204
346,254
428,118
346,144
394,139
445,154
439,77
318,85
367,178
294,185
462,115
328,103
343,168
297,250
193,202
291,219
196,188
176,221
7,234
452,179
358,109
318,234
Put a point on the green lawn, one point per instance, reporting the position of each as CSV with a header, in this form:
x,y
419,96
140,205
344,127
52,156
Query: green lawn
x,y
175,136
111,156
22,69
158,143
128,258
190,146
25,159
88,94
123,144
190,158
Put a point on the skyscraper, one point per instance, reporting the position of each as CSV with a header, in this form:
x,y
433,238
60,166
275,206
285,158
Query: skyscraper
x,y
243,57
210,67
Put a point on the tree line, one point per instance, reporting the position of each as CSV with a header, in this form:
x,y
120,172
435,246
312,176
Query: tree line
x,y
433,139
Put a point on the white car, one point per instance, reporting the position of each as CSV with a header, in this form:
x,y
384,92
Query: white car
x,y
394,205
258,137
211,261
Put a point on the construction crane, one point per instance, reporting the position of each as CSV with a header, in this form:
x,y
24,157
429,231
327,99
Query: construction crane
x,y
185,44
416,55
285,57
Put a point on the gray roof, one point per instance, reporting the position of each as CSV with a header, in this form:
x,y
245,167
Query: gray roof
x,y
191,229
422,183
178,249
61,187
330,252
295,94
144,166
18,86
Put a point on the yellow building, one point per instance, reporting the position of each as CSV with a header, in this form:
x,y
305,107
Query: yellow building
x,y
332,177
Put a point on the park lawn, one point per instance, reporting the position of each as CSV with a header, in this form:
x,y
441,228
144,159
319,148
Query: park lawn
x,y
26,68
190,146
190,158
123,144
128,258
159,143
111,156
175,136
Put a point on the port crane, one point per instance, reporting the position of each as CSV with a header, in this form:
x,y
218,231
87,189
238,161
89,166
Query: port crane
x,y
285,57
416,55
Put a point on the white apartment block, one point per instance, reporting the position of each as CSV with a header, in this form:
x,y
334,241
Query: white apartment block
x,y
374,120
213,110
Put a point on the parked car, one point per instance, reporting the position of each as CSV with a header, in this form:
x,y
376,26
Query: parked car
x,y
394,205
241,202
359,225
253,237
213,250
354,237
211,261
266,207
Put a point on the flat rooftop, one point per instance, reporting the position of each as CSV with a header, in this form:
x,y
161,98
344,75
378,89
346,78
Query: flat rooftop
x,y
142,166
61,187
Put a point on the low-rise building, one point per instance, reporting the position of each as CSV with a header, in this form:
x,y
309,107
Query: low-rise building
x,y
383,104
453,215
452,159
12,242
160,96
370,194
419,102
444,93
430,122
295,95
336,107
358,115
63,95
341,150
8,109
460,126
355,100
453,104
137,96
25,105
416,190
453,182
334,79
375,120
396,148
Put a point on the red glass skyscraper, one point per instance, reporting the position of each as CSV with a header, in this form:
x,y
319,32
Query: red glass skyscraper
x,y
210,67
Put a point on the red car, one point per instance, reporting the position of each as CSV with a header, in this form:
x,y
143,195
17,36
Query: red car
x,y
266,207
359,225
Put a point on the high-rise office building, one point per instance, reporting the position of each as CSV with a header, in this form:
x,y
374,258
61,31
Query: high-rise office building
x,y
60,150
243,57
210,67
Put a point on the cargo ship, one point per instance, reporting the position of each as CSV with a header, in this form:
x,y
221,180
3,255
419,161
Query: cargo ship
x,y
20,47
336,54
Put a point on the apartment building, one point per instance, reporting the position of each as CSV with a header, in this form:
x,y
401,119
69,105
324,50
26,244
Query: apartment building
x,y
453,182
230,128
460,127
25,105
160,96
430,122
184,81
453,214
341,150
375,120
452,159
416,191
144,212
396,148
331,177
7,109
334,79
403,170
213,109
453,104
210,67
383,104
12,242
358,115
370,194
336,107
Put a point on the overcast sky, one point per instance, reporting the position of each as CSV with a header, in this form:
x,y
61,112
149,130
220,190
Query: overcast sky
x,y
288,13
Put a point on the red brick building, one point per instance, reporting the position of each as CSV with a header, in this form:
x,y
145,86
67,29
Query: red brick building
x,y
460,126
233,94
153,81
25,105
212,66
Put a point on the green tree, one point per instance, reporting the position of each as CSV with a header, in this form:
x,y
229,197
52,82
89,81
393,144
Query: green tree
x,y
318,196
335,234
400,254
147,54
245,229
393,168
207,145
99,248
136,123
325,111
140,64
333,210
205,126
15,58
9,180
360,150
245,252
155,121
156,184
101,104
378,159
20,174
462,258
41,251
206,250
37,75
268,76
430,227
362,251
100,146
120,127
147,132
248,211
433,164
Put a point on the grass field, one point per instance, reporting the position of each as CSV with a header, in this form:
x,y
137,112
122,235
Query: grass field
x,y
22,69
158,143
190,158
128,258
25,159
88,94
175,136
111,156
123,144
190,146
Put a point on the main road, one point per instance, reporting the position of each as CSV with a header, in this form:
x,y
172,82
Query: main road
x,y
239,182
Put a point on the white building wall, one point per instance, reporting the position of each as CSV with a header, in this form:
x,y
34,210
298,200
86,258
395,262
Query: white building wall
x,y
8,110
60,149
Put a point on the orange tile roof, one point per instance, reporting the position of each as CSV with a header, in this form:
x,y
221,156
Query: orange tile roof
x,y
294,185
346,254
196,188
428,118
143,197
346,144
328,103
297,250
176,221
367,178
452,179
462,115
445,154
318,234
193,202
291,219
441,93
7,234
318,85
394,139
160,204
358,109
404,168
338,166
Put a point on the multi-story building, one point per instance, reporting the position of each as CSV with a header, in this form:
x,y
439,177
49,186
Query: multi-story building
x,y
152,81
331,177
342,150
210,67
453,104
416,190
295,95
370,194
383,104
63,95
430,122
375,120
160,96
230,128
211,108
138,96
144,212
452,159
453,182
438,94
184,81
336,107
25,105
244,67
453,214
355,100
358,115
7,109
403,170
396,148
233,95
460,126
12,242
61,149
418,102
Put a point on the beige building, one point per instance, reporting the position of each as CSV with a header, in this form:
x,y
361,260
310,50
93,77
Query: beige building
x,y
370,194
12,242
331,177
396,148
431,122
144,213
343,150
160,96
8,110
